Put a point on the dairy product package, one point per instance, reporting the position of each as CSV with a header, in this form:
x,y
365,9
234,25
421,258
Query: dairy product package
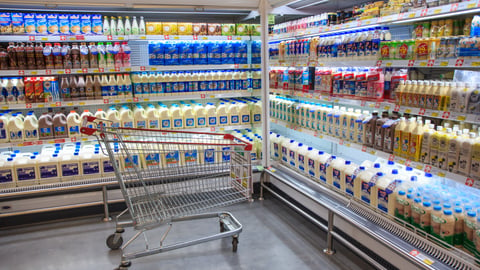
x,y
243,29
18,25
255,29
200,51
154,28
52,24
29,22
228,29
214,29
97,25
170,28
184,29
5,23
41,23
75,24
86,24
64,24
199,29
171,53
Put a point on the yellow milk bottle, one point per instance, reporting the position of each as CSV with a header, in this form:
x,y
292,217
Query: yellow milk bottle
x,y
211,112
152,116
465,159
434,146
222,114
189,115
426,144
200,115
244,113
416,142
177,116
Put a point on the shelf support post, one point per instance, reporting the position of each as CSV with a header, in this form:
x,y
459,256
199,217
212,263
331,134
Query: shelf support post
x,y
106,216
329,250
264,9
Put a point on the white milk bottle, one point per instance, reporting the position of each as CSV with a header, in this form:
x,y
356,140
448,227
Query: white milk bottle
x,y
292,148
222,114
177,116
447,228
89,164
459,221
126,117
48,168
114,116
7,173
211,112
200,115
465,157
349,176
3,128
74,124
31,127
324,161
15,128
426,143
233,113
69,166
152,115
165,117
26,170
189,115
100,114
363,188
83,115
244,113
335,178
140,117
385,192
302,154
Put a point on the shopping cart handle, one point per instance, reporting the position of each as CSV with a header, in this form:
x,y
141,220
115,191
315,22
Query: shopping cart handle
x,y
85,129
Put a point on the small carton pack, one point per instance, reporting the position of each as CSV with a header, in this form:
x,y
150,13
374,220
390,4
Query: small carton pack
x,y
170,28
214,29
64,24
18,26
185,29
41,23
5,23
52,24
199,29
29,22
154,28
74,24
97,25
243,29
228,29
255,29
86,24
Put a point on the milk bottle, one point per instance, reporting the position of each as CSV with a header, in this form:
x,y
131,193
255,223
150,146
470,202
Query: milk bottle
x,y
359,128
234,113
312,158
334,172
221,114
415,142
400,201
200,115
406,136
152,116
469,228
137,85
447,227
362,189
45,125
459,222
15,129
425,215
292,148
90,164
48,168
126,117
369,125
113,116
165,117
244,113
31,127
73,124
7,173
385,191
26,170
436,220
465,158
426,144
380,131
140,117
475,162
3,128
177,116
69,166
302,153
256,112
189,115
83,115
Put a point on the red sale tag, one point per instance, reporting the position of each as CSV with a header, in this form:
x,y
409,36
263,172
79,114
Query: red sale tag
x,y
135,99
166,37
379,63
212,129
202,95
106,101
58,104
469,182
363,103
422,111
411,63
48,72
31,38
21,72
459,62
397,108
431,62
424,12
340,142
85,70
414,253
454,7
142,68
109,37
400,16
117,69
68,71
359,23
80,37
195,37
59,140
391,157
377,105
101,69
229,38
236,66
28,105
63,38
73,139
427,168
408,162
446,115
364,148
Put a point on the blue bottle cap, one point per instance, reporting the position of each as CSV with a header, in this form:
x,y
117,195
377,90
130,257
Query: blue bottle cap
x,y
447,212
347,162
427,204
437,208
401,192
458,210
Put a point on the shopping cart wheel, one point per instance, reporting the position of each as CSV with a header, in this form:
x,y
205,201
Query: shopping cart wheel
x,y
234,243
124,266
114,245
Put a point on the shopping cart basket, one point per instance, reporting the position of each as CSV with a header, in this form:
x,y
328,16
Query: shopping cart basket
x,y
167,176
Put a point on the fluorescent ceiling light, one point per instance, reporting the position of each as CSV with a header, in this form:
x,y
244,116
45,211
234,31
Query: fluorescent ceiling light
x,y
313,4
438,16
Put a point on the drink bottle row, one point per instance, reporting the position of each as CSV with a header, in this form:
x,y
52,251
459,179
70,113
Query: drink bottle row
x,y
446,212
452,148
21,56
202,52
15,127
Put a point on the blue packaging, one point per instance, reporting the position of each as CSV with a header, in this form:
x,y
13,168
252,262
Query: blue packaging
x,y
52,24
256,52
97,25
29,22
64,24
18,26
215,53
186,53
86,24
200,51
41,23
171,53
153,48
241,53
228,53
5,23
74,24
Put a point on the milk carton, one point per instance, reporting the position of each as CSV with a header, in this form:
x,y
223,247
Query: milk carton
x,y
26,170
48,169
15,128
70,166
234,113
31,127
177,116
73,124
165,117
7,173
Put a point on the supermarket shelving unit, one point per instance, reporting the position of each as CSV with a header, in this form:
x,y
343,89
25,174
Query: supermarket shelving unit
x,y
347,219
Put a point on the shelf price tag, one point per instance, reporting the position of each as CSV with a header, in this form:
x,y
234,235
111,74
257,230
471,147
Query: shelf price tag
x,y
431,62
48,72
400,16
21,72
446,115
424,12
391,157
73,139
31,38
195,37
135,99
117,69
469,182
58,104
408,162
397,108
363,103
411,63
106,101
427,168
68,71
379,63
28,105
80,37
454,7
101,70
212,129
202,96
377,105
459,62
229,37
85,70
422,111
109,37
166,37
364,148
340,142
142,68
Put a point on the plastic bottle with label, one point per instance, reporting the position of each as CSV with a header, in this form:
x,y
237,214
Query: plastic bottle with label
x,y
177,116
114,116
369,125
74,124
69,165
363,189
152,116
15,129
140,117
426,144
405,137
25,170
465,157
60,125
200,115
31,127
45,126
126,117
48,168
385,190
302,158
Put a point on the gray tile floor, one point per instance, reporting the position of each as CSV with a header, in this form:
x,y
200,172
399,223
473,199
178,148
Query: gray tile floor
x,y
273,237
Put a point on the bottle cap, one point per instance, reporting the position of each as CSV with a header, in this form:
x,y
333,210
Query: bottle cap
x,y
447,212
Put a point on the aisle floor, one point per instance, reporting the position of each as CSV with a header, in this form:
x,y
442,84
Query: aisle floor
x,y
273,237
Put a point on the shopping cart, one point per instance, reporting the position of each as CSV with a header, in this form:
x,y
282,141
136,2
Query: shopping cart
x,y
167,176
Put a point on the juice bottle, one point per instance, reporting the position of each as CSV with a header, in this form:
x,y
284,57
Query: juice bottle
x,y
39,56
469,228
101,55
434,146
93,55
415,147
416,93
379,131
406,136
75,51
21,56
399,129
84,57
30,54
